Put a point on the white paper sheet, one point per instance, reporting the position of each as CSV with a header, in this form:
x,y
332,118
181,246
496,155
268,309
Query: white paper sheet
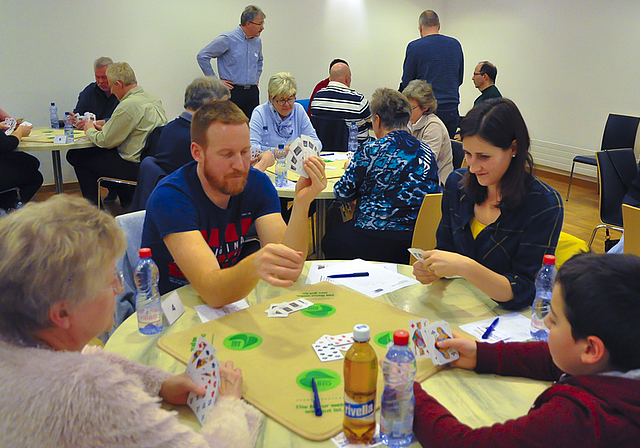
x,y
206,313
379,282
512,327
332,157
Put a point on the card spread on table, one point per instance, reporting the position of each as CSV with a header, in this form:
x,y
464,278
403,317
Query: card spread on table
x,y
331,347
299,150
285,308
204,369
417,337
439,331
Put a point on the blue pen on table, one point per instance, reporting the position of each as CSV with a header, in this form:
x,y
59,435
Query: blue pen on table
x,y
316,398
326,154
353,274
490,328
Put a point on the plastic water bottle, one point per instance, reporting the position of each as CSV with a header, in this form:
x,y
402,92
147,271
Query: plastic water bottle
x,y
281,167
399,369
544,289
53,116
266,139
353,137
360,379
148,297
68,127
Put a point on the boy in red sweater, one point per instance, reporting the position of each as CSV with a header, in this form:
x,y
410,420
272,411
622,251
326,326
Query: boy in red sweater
x,y
593,354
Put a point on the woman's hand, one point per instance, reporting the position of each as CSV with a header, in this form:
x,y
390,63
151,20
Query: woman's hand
x,y
176,388
442,263
230,381
423,274
467,349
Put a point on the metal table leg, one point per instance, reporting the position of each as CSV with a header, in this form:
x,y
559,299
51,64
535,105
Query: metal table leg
x,y
57,169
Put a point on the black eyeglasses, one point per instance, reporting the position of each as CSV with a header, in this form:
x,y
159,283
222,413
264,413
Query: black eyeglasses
x,y
284,101
255,23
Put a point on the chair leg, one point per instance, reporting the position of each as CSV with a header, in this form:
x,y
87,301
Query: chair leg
x,y
593,234
573,165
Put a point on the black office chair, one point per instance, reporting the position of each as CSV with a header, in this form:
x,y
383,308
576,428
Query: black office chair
x,y
616,171
148,150
332,132
619,132
458,154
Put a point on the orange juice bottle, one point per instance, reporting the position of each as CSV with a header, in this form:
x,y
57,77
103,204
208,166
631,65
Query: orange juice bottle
x,y
360,379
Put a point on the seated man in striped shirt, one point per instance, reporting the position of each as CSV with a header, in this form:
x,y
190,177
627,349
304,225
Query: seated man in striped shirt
x,y
339,101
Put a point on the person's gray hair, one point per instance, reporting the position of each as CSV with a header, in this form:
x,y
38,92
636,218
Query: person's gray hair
x,y
102,62
392,107
282,84
204,89
421,92
121,71
250,13
62,249
429,18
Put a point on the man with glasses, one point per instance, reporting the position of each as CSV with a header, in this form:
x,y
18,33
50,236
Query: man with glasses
x,y
484,78
239,55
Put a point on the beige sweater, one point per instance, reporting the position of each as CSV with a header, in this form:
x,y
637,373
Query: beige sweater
x,y
99,399
431,130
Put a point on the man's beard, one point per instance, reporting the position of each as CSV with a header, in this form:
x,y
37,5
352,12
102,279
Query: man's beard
x,y
229,187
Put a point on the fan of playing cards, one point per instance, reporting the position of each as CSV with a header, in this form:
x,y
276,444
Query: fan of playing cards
x,y
285,308
424,337
204,369
299,150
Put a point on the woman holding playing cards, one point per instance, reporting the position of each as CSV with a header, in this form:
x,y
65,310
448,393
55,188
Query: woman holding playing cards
x,y
58,283
498,219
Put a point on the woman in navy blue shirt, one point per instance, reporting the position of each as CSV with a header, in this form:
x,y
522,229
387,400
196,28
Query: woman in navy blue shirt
x,y
498,220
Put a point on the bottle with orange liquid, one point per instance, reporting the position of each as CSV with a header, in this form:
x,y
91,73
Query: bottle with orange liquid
x,y
360,379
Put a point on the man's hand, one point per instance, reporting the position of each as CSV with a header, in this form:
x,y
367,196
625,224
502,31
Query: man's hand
x,y
176,388
467,348
308,188
228,84
279,265
230,381
264,161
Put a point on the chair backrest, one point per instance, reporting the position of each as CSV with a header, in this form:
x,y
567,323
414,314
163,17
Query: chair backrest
x,y
631,217
304,103
616,171
151,143
620,132
132,224
149,174
424,233
458,154
332,132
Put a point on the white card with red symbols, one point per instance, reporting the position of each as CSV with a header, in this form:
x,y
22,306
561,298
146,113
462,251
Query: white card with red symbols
x,y
204,369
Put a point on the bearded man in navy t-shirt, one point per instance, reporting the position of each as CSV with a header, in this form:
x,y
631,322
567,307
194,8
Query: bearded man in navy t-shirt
x,y
198,217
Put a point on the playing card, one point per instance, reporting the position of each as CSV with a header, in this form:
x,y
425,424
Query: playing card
x,y
327,352
203,368
417,338
342,339
299,150
439,331
417,253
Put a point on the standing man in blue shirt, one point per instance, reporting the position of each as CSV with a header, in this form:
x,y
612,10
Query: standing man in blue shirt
x,y
239,54
437,59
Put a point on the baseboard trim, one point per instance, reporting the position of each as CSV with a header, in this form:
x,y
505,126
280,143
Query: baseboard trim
x,y
563,176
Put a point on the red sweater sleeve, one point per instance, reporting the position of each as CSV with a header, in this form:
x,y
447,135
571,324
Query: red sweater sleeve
x,y
524,359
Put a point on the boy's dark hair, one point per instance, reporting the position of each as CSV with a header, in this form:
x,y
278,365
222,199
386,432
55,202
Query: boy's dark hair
x,y
602,298
499,122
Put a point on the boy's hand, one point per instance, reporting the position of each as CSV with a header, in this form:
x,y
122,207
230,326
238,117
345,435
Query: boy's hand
x,y
467,348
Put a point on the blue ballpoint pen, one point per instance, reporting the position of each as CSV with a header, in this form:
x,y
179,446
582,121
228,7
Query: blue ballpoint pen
x,y
354,274
316,398
490,328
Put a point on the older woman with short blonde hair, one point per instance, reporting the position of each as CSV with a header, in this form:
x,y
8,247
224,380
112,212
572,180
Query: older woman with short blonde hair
x,y
58,283
426,126
280,120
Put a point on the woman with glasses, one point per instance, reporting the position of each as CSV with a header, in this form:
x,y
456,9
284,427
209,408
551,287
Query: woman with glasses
x,y
284,119
498,219
58,283
425,125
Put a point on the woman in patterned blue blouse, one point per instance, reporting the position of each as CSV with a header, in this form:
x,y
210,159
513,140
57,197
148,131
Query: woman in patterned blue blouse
x,y
389,178
498,220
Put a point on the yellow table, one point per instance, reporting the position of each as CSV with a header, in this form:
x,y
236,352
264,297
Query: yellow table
x,y
476,400
41,139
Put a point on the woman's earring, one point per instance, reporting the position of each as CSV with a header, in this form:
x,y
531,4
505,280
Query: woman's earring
x,y
512,156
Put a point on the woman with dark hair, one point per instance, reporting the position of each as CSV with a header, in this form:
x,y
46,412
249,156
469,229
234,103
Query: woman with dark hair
x,y
498,219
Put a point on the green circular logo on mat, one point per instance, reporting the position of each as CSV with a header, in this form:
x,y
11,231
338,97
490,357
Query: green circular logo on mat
x,y
383,339
242,341
325,379
319,310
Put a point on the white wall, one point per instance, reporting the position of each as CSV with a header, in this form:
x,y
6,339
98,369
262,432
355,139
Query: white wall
x,y
48,47
566,64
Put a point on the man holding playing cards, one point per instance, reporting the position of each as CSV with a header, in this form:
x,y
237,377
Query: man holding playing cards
x,y
198,217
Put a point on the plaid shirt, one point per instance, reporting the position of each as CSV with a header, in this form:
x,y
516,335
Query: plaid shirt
x,y
514,244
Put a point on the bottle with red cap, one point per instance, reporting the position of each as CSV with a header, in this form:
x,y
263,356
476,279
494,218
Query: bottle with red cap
x,y
396,414
542,302
148,296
